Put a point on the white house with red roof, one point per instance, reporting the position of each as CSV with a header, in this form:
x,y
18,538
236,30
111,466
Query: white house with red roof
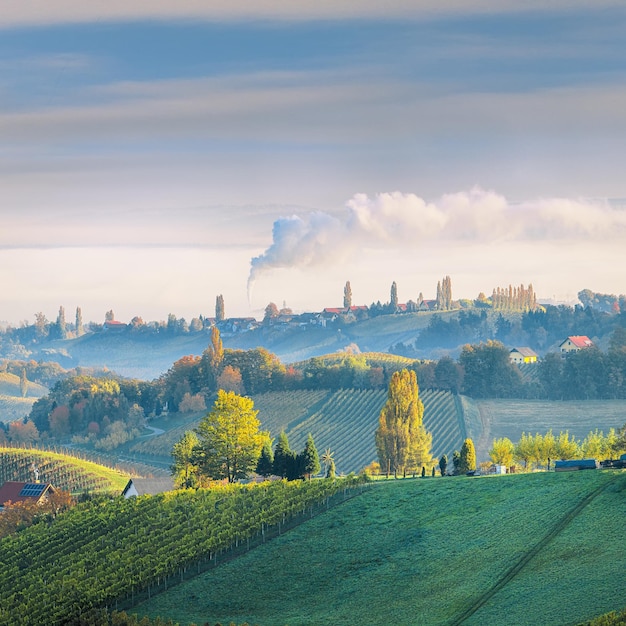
x,y
575,343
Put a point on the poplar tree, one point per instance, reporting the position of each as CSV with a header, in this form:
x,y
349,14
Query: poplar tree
x,y
402,442
219,308
23,383
347,296
80,329
394,297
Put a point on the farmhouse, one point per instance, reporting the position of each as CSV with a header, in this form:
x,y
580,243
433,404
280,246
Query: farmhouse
x,y
575,343
13,491
523,355
147,486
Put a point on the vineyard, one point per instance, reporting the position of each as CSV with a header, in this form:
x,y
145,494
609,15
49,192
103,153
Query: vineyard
x,y
12,405
107,553
344,421
62,471
10,386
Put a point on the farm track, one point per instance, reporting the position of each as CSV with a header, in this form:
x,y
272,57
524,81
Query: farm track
x,y
517,567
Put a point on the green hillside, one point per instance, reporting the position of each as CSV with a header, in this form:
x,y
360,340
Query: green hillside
x,y
61,470
518,549
343,420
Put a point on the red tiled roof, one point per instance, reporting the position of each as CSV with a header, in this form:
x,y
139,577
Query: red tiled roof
x,y
581,341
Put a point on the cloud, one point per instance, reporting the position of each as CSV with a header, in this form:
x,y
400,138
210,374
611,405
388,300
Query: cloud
x,y
38,12
406,221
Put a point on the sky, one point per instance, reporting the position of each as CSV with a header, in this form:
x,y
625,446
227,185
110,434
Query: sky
x,y
154,155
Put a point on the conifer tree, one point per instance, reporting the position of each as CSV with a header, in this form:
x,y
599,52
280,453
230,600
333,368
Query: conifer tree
x,y
61,325
23,383
347,296
310,458
282,454
443,464
331,469
264,466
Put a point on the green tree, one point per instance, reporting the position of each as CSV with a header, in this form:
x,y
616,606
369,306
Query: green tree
x,y
467,457
184,469
331,472
402,442
265,464
347,296
456,462
212,360
443,464
524,449
282,454
230,440
310,458
566,448
501,452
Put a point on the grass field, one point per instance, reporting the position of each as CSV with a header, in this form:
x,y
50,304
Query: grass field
x,y
518,549
494,419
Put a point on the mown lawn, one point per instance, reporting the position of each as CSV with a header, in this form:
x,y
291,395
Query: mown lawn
x,y
422,551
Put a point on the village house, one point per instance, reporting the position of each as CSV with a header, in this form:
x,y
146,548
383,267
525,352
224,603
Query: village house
x,y
147,486
575,343
13,491
523,355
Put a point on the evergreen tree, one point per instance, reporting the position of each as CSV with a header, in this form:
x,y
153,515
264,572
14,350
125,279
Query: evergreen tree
x,y
467,461
347,296
402,441
282,454
310,458
109,316
219,308
456,462
61,324
265,465
443,464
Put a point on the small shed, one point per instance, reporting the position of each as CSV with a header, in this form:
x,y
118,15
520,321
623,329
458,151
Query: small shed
x,y
575,464
147,486
499,469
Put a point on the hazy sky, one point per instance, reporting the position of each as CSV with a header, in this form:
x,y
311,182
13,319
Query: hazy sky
x,y
156,154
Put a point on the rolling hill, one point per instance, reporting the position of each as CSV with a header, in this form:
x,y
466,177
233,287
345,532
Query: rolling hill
x,y
12,405
518,549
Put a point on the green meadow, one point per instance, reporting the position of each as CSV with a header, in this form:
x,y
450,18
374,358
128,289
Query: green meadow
x,y
544,548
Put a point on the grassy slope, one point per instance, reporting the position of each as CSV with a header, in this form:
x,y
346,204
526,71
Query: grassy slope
x,y
423,552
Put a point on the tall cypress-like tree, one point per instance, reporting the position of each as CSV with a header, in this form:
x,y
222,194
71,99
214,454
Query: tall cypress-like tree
x,y
402,441
310,458
212,359
347,296
219,308
282,456
265,464
61,325
80,329
393,302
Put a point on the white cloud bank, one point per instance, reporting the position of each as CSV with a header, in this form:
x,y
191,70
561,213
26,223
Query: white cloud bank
x,y
404,221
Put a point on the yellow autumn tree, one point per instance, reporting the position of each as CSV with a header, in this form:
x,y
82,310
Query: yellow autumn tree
x,y
402,442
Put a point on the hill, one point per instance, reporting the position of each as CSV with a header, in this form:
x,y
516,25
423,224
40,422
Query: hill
x,y
518,549
61,470
343,420
12,405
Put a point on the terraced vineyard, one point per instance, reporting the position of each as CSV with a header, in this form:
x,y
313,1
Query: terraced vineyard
x,y
63,471
12,405
344,421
